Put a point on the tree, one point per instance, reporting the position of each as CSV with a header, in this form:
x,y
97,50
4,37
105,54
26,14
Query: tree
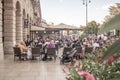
x,y
114,10
118,7
92,28
107,18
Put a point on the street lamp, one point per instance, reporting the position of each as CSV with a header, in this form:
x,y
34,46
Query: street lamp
x,y
85,2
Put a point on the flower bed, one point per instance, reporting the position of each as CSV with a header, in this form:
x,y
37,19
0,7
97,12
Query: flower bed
x,y
93,68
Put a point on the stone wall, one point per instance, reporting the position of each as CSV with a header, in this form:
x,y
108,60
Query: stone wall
x,y
15,11
9,26
11,21
1,43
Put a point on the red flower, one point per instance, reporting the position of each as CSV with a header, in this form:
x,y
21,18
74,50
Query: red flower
x,y
110,59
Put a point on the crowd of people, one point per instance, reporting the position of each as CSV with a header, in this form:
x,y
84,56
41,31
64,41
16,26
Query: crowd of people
x,y
92,40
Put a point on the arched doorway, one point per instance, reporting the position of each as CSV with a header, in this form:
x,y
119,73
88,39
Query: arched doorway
x,y
18,23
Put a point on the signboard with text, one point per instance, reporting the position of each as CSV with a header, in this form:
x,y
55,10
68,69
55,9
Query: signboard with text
x,y
26,22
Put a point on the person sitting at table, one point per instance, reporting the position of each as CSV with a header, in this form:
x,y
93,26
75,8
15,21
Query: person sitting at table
x,y
23,49
51,44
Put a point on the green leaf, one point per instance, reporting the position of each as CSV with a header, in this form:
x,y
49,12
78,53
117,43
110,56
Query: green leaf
x,y
113,49
115,79
75,75
113,23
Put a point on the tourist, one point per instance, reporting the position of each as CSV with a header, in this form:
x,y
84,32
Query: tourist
x,y
23,49
51,44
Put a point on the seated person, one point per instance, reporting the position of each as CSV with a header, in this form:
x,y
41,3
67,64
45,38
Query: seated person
x,y
48,45
51,44
23,49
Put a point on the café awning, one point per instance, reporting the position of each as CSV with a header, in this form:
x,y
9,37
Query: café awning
x,y
36,28
63,26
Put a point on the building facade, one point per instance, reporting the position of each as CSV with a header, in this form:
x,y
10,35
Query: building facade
x,y
16,19
1,43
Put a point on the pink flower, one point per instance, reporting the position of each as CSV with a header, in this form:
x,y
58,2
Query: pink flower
x,y
84,74
78,68
87,76
74,60
90,77
110,59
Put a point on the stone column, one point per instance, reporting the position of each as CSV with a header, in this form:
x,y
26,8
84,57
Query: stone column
x,y
19,27
9,26
1,43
